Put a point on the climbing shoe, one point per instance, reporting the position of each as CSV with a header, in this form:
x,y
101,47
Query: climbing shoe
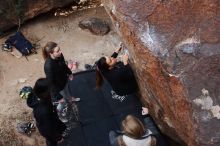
x,y
25,128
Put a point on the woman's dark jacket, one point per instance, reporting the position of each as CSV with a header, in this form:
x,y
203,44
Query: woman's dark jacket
x,y
47,120
121,78
57,73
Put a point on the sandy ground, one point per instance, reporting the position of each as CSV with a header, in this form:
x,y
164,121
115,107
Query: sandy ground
x,y
75,43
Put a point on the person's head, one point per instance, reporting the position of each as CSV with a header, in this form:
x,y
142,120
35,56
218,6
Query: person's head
x,y
133,127
51,50
106,63
103,64
110,61
41,90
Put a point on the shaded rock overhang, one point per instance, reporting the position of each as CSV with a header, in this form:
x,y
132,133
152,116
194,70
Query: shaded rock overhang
x,y
13,12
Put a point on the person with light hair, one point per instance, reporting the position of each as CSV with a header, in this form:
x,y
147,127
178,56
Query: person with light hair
x,y
57,74
134,134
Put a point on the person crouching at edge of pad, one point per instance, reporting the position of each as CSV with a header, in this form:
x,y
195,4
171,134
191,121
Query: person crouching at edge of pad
x,y
118,73
134,133
47,121
57,74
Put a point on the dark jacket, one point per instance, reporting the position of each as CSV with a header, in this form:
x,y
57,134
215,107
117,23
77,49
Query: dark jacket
x,y
121,78
46,118
57,73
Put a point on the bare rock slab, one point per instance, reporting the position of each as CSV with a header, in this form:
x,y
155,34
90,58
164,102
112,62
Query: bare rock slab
x,y
175,50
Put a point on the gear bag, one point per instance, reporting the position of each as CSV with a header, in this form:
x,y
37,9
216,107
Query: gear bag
x,y
20,43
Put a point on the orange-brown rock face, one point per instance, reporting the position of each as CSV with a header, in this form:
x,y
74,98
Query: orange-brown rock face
x,y
175,49
12,10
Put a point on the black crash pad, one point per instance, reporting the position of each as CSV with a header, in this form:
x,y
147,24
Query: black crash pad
x,y
99,113
92,106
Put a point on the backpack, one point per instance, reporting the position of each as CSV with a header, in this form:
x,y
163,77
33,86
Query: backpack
x,y
20,43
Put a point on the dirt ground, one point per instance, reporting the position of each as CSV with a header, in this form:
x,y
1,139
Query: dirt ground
x,y
15,73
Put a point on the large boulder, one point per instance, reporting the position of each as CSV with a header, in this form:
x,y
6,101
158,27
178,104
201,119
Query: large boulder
x,y
13,10
95,25
175,50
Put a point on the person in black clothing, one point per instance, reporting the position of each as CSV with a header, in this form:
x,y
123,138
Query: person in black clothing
x,y
55,69
119,74
47,121
57,74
